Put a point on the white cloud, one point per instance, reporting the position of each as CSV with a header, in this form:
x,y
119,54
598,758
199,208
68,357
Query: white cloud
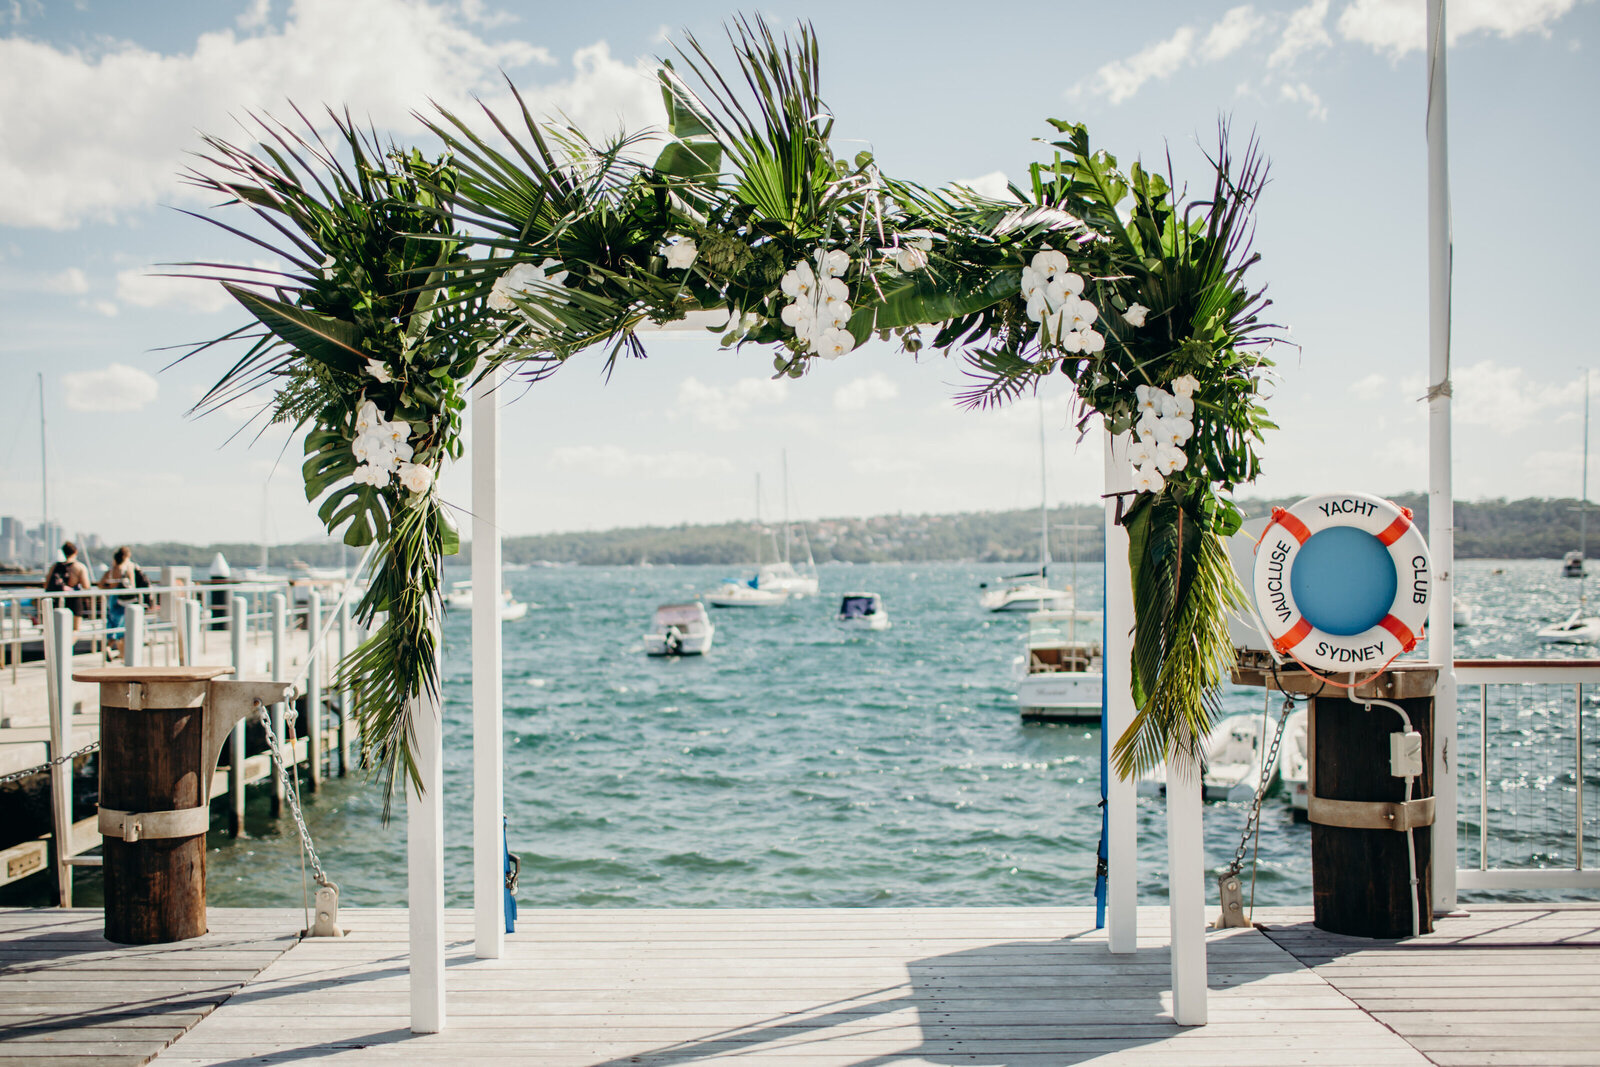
x,y
614,461
130,113
724,408
255,16
70,281
1489,394
1233,31
116,388
994,185
1371,388
148,289
1122,78
1301,93
1303,33
864,392
1396,27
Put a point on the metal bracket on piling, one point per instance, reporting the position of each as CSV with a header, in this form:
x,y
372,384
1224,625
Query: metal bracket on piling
x,y
1231,893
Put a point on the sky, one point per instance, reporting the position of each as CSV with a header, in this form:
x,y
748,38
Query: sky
x,y
101,102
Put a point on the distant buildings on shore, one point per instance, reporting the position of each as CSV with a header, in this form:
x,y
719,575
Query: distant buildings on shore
x,y
38,546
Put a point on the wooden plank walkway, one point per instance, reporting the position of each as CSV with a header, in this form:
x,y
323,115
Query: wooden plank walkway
x,y
67,995
1024,987
1506,984
821,987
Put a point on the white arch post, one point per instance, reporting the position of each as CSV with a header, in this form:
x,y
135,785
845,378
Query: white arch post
x,y
1122,826
488,758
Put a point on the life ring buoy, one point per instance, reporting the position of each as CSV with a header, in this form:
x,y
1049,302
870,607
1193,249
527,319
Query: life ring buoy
x,y
1394,628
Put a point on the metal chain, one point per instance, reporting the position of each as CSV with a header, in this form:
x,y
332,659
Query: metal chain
x,y
1267,766
293,796
58,761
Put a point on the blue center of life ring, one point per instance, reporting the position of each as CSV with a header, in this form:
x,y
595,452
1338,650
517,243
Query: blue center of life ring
x,y
1343,580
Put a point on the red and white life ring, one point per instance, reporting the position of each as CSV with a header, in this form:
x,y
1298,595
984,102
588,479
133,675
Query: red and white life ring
x,y
1291,633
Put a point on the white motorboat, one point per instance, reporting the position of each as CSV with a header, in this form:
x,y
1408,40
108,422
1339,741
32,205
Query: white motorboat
x,y
862,611
1461,613
1233,761
1294,762
680,630
1579,629
735,594
1059,672
460,597
1572,565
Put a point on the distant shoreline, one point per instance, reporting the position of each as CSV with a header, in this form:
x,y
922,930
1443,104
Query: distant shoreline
x,y
1492,529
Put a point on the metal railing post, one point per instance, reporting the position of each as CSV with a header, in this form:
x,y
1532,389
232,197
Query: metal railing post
x,y
191,633
58,662
346,708
314,663
238,612
133,652
280,672
1579,747
1483,777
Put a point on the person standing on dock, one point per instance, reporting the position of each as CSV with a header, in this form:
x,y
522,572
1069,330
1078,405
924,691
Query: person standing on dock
x,y
122,574
69,573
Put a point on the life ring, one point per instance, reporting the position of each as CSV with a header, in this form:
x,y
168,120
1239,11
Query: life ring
x,y
1336,617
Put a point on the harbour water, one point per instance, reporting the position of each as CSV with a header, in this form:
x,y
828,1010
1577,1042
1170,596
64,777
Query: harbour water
x,y
797,765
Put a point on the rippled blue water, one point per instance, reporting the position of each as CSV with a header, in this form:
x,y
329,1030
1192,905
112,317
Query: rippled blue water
x,y
796,765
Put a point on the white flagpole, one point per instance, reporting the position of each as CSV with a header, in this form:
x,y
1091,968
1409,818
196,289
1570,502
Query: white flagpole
x,y
1441,498
488,759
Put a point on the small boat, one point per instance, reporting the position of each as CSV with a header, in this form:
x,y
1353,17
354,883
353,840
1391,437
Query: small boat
x,y
1461,613
460,596
781,577
1233,761
862,611
1572,565
1294,762
1058,674
680,630
736,594
1030,593
1579,629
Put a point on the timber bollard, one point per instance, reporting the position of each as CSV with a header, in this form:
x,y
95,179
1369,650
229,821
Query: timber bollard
x,y
161,732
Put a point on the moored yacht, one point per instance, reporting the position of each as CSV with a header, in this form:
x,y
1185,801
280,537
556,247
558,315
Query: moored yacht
x,y
1232,765
736,594
460,597
680,630
1059,672
862,611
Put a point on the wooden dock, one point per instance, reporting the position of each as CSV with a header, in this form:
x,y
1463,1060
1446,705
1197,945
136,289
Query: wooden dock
x,y
1025,987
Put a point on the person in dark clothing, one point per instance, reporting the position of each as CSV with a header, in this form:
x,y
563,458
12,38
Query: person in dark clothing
x,y
122,574
69,573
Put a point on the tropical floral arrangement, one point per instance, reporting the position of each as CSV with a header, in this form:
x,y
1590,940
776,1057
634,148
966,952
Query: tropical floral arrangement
x,y
528,243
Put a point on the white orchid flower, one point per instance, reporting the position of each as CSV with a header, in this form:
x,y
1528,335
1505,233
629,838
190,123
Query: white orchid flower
x,y
1073,283
1174,431
367,474
1072,341
837,311
1084,312
1181,406
396,433
1031,282
1186,385
680,252
1037,306
1148,427
1049,263
835,343
367,416
834,289
1135,314
401,452
922,240
1140,453
1169,459
1056,293
832,264
523,280
796,313
1092,341
910,259
799,282
1164,405
377,369
1148,480
416,477
1150,400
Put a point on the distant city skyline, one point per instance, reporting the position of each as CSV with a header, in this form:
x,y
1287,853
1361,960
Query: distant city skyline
x,y
1334,89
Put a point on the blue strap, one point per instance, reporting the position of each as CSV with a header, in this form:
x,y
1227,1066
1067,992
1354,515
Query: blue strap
x,y
1101,854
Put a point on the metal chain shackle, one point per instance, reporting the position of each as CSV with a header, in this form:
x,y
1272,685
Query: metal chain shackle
x,y
1262,786
292,794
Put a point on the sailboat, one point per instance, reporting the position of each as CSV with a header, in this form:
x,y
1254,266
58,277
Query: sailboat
x,y
1031,590
1578,629
737,593
782,576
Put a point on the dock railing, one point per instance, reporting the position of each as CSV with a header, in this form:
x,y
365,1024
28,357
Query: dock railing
x,y
1526,792
166,625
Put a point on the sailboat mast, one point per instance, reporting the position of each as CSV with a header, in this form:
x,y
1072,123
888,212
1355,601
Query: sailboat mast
x,y
1583,504
1044,505
786,545
44,476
